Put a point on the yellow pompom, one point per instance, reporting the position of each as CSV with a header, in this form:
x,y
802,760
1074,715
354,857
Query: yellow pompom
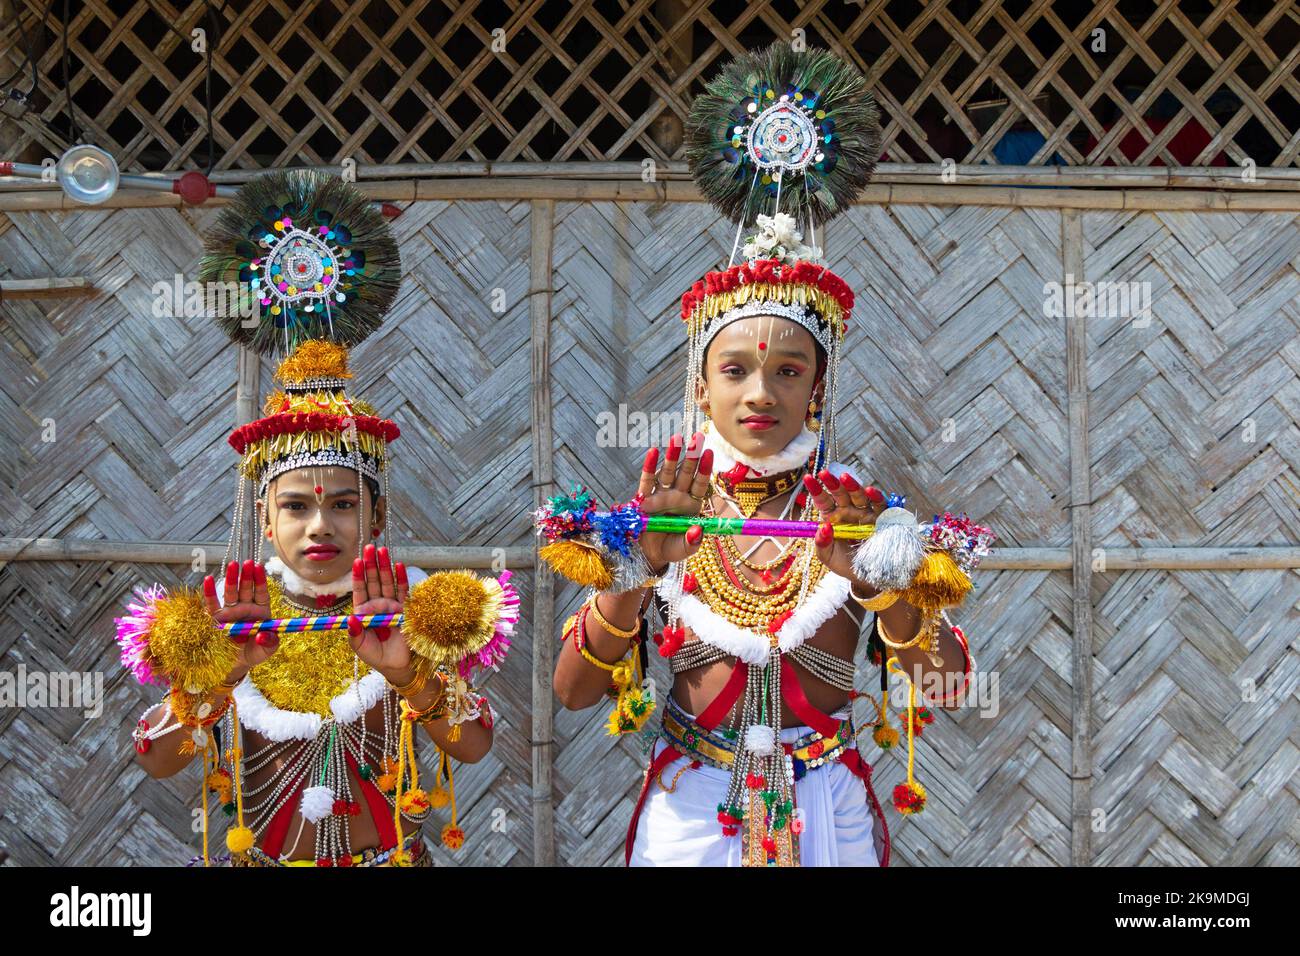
x,y
938,583
186,645
453,838
439,798
414,801
239,839
578,563
450,614
386,782
316,358
885,736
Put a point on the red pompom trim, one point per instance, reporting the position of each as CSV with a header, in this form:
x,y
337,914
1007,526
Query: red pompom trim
x,y
294,423
770,271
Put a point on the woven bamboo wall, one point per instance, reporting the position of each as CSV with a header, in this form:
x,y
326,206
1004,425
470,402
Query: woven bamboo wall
x,y
1194,689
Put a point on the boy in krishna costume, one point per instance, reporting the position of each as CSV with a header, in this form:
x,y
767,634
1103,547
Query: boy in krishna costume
x,y
306,735
756,763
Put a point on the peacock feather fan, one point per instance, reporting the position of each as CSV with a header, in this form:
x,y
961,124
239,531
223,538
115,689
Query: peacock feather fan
x,y
316,255
775,120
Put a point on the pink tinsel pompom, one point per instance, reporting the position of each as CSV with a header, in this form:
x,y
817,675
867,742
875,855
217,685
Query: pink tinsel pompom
x,y
494,651
133,634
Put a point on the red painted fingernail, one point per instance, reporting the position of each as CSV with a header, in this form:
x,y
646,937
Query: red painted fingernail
x,y
694,533
383,558
810,483
248,568
354,625
829,480
232,572
370,557
651,459
400,571
259,574
849,482
674,447
706,462
239,638
824,534
874,493
262,638
209,586
382,633
358,569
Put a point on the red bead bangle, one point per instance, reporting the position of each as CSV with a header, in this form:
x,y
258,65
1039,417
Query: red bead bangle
x,y
966,660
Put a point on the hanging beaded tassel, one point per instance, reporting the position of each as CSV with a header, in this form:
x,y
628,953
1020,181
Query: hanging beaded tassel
x,y
760,794
412,800
240,838
453,837
909,797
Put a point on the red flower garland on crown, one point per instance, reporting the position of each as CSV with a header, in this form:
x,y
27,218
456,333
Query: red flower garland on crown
x,y
297,422
771,271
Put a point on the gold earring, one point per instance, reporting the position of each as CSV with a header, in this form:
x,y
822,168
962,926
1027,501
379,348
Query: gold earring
x,y
813,423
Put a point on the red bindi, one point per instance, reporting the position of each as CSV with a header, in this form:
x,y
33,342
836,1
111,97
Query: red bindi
x,y
762,345
319,489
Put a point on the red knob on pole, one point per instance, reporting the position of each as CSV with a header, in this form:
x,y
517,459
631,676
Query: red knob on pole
x,y
193,188
6,169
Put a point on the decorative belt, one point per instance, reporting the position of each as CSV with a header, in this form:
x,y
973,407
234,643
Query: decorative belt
x,y
413,843
716,748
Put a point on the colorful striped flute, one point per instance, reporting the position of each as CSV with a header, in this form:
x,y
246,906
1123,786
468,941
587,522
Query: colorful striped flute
x,y
294,625
777,528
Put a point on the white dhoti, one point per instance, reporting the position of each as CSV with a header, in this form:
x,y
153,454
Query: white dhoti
x,y
681,828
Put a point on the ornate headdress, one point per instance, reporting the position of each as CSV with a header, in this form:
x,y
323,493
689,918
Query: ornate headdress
x,y
325,269
781,140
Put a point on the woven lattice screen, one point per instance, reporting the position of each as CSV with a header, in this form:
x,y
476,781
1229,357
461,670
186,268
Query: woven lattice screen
x,y
1021,83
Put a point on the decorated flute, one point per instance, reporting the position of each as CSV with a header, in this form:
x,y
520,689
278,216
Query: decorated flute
x,y
598,548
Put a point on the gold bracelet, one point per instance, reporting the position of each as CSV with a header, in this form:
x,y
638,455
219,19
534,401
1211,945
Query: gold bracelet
x,y
882,601
413,687
884,636
612,629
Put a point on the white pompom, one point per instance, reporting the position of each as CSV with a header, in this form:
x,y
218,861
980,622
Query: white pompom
x,y
760,740
890,558
317,803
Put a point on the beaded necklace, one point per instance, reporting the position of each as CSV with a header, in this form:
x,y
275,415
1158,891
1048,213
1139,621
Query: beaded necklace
x,y
308,676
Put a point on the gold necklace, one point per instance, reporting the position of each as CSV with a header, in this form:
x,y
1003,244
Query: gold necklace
x,y
741,605
309,668
749,496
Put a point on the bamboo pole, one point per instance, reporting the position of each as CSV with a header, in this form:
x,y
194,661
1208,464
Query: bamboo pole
x,y
542,220
429,555
182,552
967,175
1076,351
667,190
47,288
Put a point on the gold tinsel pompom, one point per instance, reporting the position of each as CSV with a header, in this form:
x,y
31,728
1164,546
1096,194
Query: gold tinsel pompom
x,y
444,616
938,583
315,358
578,563
186,645
239,839
273,402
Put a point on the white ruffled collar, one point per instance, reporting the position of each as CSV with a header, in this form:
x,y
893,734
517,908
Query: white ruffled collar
x,y
726,455
819,606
